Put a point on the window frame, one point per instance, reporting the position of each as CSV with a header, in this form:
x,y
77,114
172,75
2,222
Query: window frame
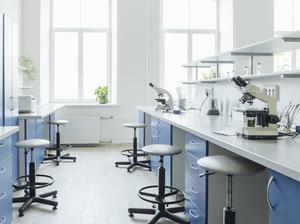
x,y
80,31
189,32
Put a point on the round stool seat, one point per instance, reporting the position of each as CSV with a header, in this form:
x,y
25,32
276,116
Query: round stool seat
x,y
58,122
32,143
230,165
161,150
135,125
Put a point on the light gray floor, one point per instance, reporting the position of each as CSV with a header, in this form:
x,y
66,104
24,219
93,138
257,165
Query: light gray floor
x,y
91,191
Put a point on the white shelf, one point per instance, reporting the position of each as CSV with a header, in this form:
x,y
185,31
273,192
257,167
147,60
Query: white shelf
x,y
286,42
196,65
282,74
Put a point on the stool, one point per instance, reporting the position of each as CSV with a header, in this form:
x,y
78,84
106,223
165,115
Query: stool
x,y
31,185
230,166
134,152
160,198
58,147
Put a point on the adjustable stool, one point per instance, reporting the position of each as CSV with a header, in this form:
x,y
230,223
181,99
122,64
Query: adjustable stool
x,y
31,184
134,152
160,198
58,147
230,166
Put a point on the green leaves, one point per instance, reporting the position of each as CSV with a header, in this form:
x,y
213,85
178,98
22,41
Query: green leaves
x,y
101,94
27,68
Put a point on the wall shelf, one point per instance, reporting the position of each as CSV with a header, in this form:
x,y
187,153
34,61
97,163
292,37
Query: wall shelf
x,y
282,74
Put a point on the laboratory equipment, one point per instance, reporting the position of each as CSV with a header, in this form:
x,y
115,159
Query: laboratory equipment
x,y
213,109
258,123
165,99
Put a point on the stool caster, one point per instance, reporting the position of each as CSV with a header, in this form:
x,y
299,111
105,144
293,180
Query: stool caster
x,y
54,208
21,214
131,215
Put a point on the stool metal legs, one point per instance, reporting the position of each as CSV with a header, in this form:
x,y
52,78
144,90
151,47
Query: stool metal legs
x,y
135,162
31,197
58,157
229,211
162,211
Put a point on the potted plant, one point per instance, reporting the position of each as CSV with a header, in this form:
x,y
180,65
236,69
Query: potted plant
x,y
27,68
101,94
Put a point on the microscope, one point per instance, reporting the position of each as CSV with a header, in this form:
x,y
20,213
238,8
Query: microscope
x,y
165,99
258,124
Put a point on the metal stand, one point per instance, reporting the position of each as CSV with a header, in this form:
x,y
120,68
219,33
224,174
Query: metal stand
x,y
58,149
229,211
162,211
31,197
135,155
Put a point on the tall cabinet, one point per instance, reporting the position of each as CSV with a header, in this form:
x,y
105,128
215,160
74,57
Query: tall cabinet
x,y
9,82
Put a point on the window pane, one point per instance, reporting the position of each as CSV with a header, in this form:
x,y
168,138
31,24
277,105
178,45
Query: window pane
x,y
175,56
282,61
66,66
203,46
94,63
66,13
203,14
95,13
175,14
283,15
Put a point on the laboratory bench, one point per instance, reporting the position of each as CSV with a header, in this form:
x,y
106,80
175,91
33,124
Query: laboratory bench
x,y
271,197
6,154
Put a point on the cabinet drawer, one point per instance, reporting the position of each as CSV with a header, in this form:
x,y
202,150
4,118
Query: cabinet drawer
x,y
192,168
5,149
194,215
195,145
195,191
6,174
6,206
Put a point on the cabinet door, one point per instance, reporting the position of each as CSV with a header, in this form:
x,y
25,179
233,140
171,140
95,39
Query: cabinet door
x,y
283,199
154,140
1,70
39,152
165,138
15,156
141,140
52,130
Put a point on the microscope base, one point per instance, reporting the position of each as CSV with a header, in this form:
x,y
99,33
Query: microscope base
x,y
258,133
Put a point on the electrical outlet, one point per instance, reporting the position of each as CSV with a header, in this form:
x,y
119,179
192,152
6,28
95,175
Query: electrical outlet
x,y
272,90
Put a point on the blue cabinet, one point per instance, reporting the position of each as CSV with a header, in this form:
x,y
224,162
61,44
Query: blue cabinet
x,y
6,180
161,133
195,186
52,130
284,199
141,140
34,128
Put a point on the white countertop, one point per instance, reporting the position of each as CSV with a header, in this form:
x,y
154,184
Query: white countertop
x,y
42,111
6,131
282,155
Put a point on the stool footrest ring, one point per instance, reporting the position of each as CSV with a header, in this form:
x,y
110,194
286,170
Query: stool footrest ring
x,y
38,184
143,194
129,153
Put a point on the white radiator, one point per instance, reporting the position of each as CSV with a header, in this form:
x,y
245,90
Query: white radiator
x,y
81,130
95,130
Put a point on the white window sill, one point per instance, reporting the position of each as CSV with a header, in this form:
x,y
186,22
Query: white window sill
x,y
89,105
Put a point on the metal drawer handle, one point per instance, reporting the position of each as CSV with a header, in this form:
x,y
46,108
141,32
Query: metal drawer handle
x,y
3,195
193,191
193,166
2,170
2,145
107,118
193,213
268,191
3,220
194,143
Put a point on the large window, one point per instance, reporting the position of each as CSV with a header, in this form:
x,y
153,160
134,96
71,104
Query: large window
x,y
82,43
189,32
286,19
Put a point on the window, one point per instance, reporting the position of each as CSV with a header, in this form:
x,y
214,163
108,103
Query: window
x,y
82,43
286,19
189,32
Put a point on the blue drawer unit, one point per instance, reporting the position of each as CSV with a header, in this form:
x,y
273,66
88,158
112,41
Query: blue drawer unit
x,y
6,180
161,133
52,130
195,186
283,199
